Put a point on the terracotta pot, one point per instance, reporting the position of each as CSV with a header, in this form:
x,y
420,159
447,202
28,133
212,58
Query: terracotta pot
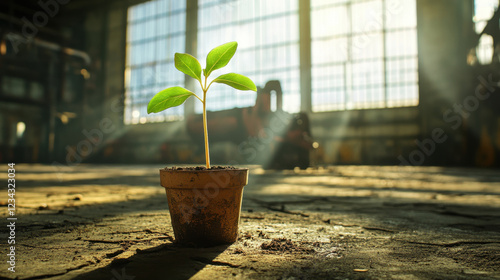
x,y
204,204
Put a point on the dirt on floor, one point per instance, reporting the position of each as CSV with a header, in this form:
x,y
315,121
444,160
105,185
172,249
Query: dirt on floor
x,y
346,222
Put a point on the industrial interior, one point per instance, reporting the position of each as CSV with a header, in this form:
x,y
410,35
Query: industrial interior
x,y
373,139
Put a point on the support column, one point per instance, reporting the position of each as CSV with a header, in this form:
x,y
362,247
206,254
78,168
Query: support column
x,y
305,55
191,48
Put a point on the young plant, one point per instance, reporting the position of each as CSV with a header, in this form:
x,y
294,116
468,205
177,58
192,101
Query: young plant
x,y
189,65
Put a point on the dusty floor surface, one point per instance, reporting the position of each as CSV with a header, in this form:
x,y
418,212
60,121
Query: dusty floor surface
x,y
345,222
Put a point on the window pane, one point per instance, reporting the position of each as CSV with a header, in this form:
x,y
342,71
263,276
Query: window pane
x,y
400,14
156,32
402,95
368,73
328,100
401,43
323,3
361,50
330,50
366,16
483,11
329,22
367,45
329,88
268,48
484,50
402,71
331,76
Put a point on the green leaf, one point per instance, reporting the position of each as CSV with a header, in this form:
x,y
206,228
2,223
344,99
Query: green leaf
x,y
167,98
188,65
219,57
237,81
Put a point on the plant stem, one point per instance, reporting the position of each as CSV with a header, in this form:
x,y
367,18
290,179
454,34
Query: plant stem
x,y
205,132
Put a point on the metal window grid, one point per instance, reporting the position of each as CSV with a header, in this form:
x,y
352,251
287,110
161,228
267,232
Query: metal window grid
x,y
346,73
268,47
364,54
155,31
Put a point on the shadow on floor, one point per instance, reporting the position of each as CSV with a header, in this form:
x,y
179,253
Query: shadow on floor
x,y
167,261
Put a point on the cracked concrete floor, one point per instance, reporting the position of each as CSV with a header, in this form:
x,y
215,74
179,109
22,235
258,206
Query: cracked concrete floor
x,y
343,222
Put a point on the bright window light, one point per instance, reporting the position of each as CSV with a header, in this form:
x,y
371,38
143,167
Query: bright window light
x,y
20,128
483,11
267,33
155,31
364,54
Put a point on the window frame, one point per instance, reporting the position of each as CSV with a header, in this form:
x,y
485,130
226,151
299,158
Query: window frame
x,y
305,94
344,90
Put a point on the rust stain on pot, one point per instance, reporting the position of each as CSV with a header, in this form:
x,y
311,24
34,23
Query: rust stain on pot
x,y
204,204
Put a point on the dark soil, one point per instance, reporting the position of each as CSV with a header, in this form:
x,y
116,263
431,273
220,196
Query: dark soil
x,y
189,168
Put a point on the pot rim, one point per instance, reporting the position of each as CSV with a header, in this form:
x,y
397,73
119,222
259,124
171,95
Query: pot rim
x,y
220,178
203,170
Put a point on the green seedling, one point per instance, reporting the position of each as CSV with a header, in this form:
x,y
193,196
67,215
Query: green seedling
x,y
189,65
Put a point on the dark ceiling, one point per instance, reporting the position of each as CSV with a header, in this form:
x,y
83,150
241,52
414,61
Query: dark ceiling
x,y
48,20
54,17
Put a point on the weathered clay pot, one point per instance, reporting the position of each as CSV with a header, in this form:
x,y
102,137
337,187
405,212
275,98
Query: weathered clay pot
x,y
204,204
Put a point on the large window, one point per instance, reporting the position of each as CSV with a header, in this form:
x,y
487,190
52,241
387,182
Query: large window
x,y
364,54
156,30
483,11
268,47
